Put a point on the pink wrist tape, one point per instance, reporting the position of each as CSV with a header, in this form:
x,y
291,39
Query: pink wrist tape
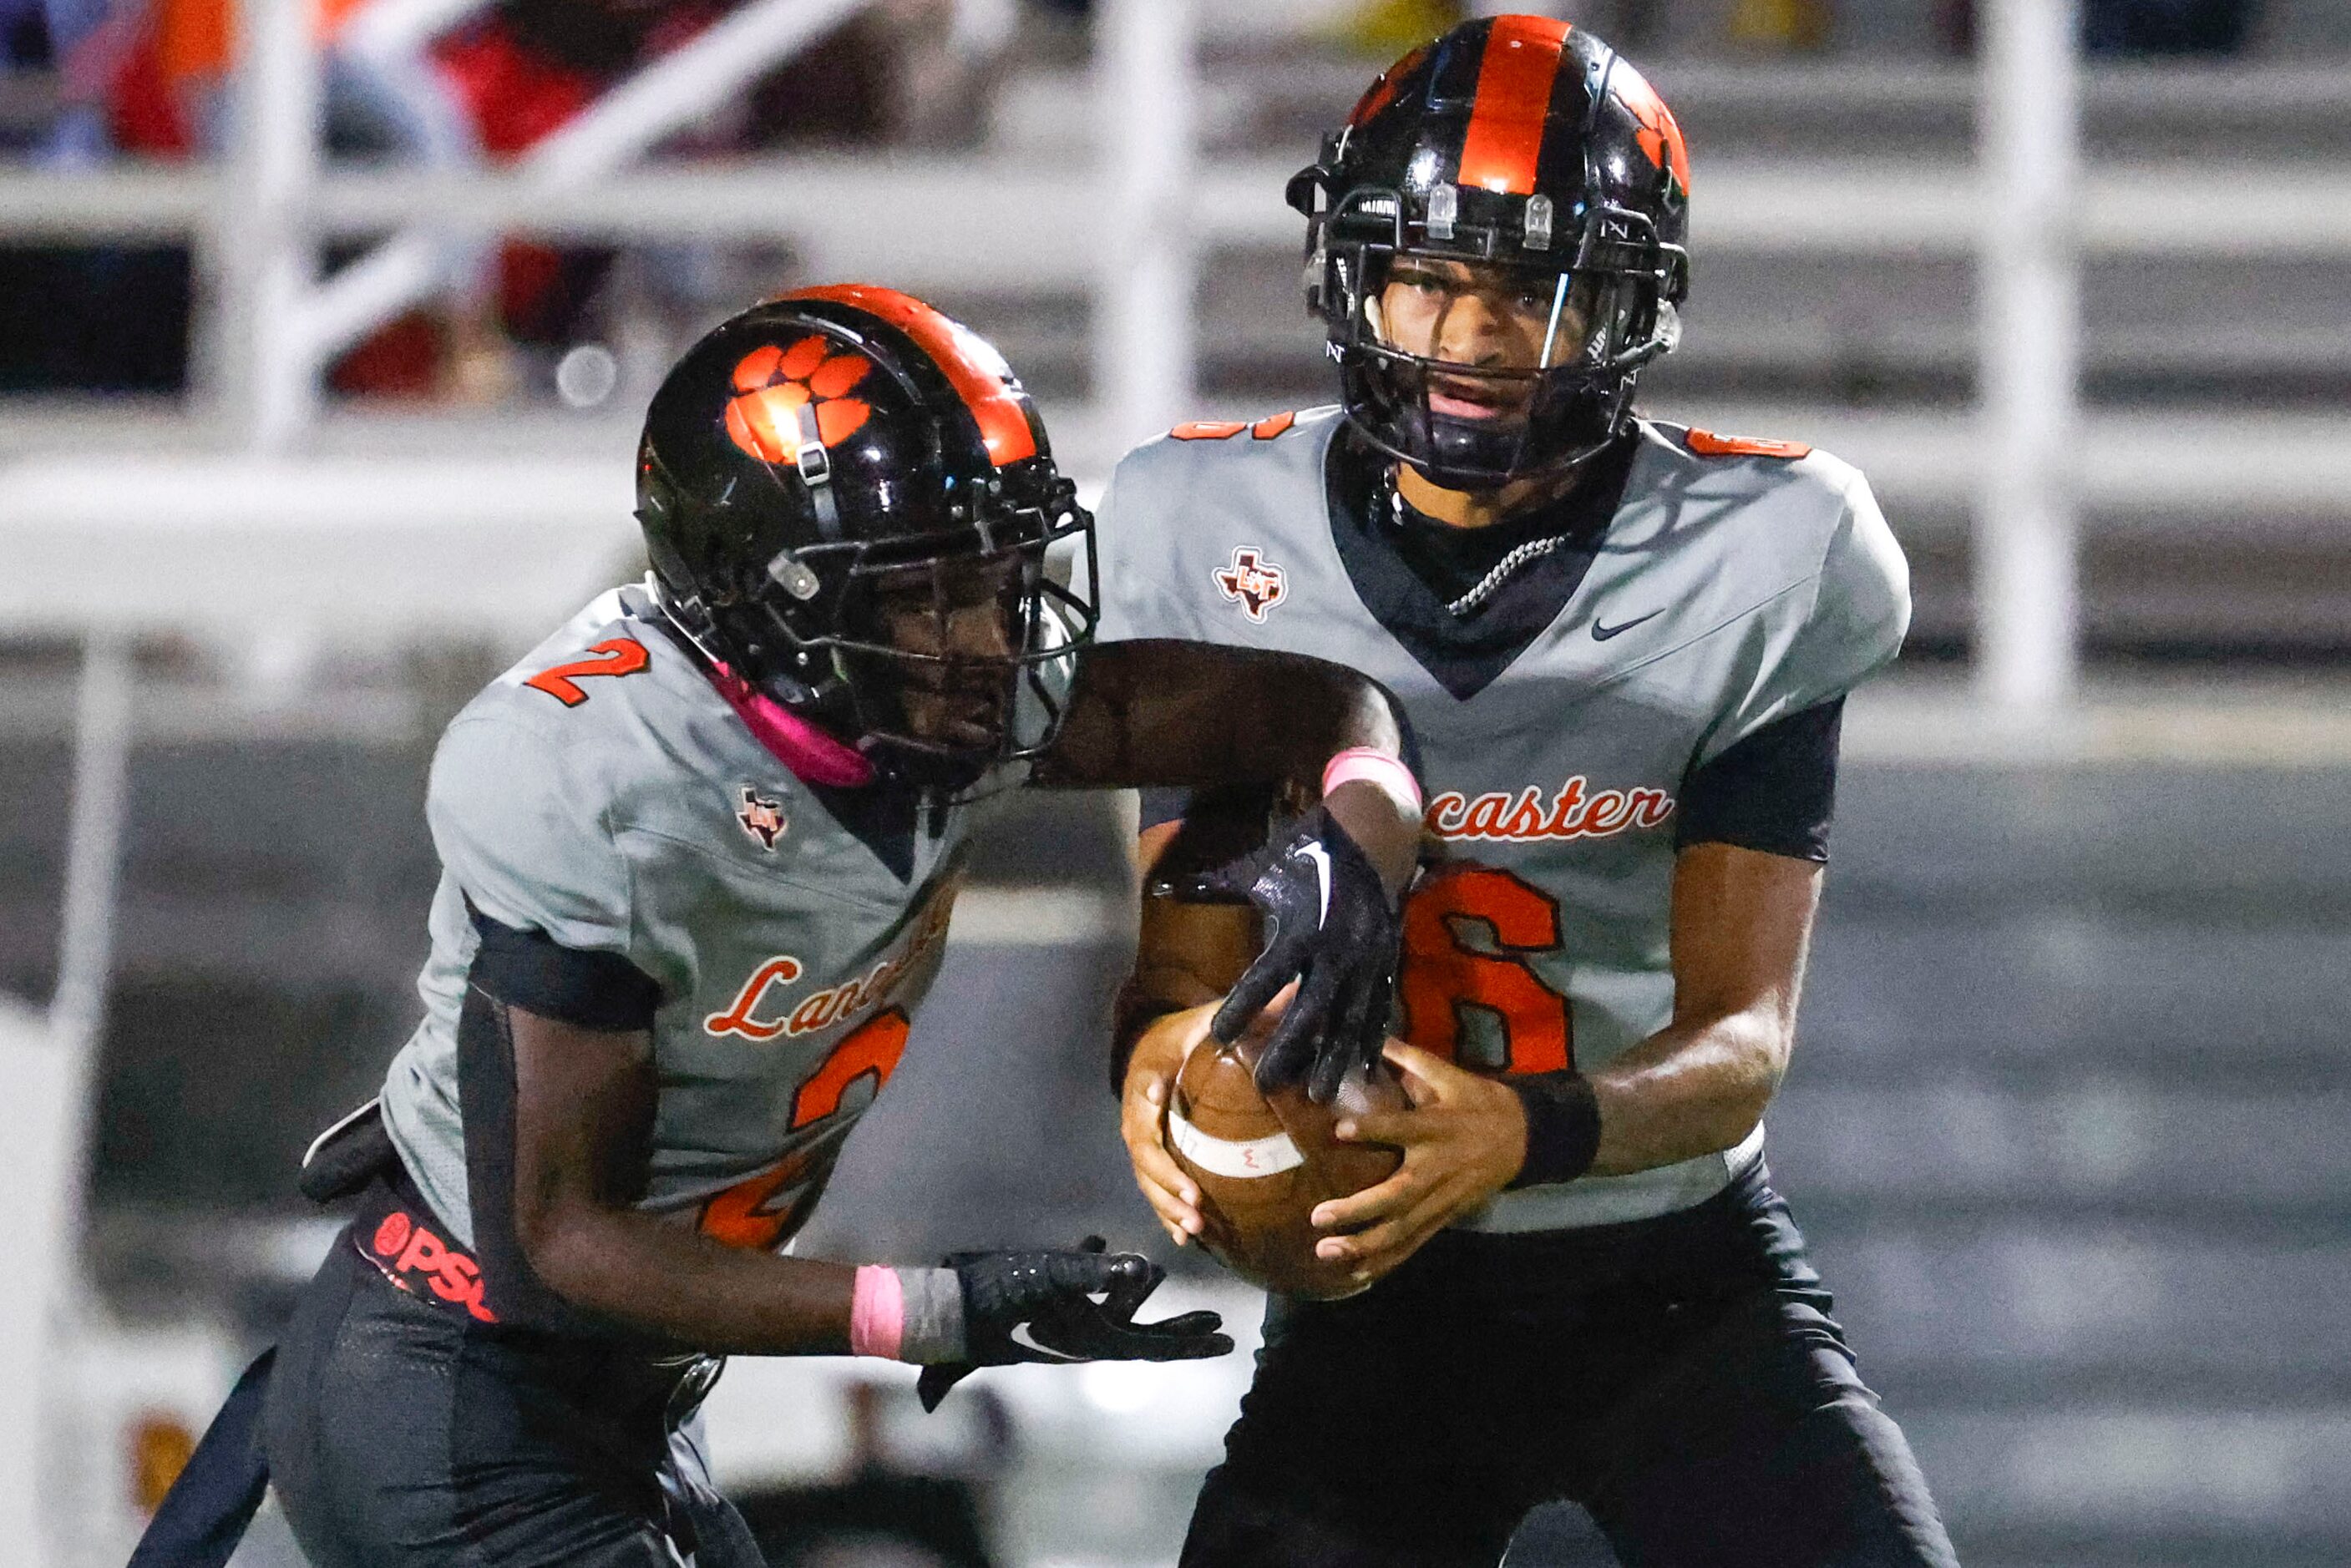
x,y
1374,767
877,1312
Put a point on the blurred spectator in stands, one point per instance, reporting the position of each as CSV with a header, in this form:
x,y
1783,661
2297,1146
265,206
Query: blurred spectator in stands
x,y
516,73
2112,27
108,318
2168,26
148,78
28,90
1781,26
1382,29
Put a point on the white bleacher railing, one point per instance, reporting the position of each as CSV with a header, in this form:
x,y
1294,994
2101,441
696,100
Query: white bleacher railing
x,y
47,1063
2028,599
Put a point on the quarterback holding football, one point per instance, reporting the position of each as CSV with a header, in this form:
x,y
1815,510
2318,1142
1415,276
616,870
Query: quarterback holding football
x,y
1623,645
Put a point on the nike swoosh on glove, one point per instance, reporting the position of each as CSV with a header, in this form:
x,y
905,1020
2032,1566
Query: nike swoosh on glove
x,y
1043,1306
1331,925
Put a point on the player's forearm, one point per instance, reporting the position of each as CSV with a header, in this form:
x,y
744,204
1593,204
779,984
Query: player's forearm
x,y
1191,715
662,1280
1186,955
1387,828
1690,1089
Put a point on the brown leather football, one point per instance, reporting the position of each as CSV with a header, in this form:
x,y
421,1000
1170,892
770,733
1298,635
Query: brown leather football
x,y
1263,1162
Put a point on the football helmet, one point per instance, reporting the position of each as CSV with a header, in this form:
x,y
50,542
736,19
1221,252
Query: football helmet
x,y
1516,143
836,465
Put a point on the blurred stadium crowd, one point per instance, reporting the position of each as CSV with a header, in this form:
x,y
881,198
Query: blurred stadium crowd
x,y
93,81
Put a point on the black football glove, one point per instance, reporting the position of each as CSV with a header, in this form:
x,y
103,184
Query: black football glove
x,y
1331,925
1041,1306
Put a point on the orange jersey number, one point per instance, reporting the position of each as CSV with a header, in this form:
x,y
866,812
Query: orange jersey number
x,y
1265,429
1440,976
621,656
746,1214
872,1047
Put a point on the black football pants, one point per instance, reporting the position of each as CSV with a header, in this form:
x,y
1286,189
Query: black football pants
x,y
402,1433
1680,1377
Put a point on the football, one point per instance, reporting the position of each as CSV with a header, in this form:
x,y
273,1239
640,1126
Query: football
x,y
1263,1162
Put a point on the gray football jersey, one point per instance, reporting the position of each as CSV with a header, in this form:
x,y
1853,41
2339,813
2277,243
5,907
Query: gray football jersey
x,y
603,792
1737,583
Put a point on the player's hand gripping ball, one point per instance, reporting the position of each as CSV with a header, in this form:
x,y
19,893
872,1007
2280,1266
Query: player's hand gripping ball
x,y
1333,927
1263,1160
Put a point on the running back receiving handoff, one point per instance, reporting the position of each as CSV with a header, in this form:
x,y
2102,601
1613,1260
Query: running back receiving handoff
x,y
699,850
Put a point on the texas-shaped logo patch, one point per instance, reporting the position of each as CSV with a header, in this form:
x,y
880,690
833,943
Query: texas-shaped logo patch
x,y
1252,582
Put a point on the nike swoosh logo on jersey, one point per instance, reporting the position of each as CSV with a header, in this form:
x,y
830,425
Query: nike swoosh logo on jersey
x,y
1027,1341
1603,633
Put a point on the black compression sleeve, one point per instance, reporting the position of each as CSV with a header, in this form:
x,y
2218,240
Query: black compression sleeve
x,y
1162,805
528,969
1774,792
1563,1126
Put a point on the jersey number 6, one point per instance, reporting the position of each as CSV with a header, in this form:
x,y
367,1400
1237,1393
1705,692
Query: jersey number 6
x,y
1440,977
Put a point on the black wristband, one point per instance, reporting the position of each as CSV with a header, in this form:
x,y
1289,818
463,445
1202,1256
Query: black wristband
x,y
1563,1126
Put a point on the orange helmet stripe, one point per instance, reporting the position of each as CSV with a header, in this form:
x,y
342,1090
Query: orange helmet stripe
x,y
972,369
1499,149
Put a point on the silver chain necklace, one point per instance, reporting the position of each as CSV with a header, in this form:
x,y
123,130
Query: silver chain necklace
x,y
1504,569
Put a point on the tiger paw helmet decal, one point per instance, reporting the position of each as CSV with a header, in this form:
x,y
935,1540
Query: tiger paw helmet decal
x,y
1252,582
787,398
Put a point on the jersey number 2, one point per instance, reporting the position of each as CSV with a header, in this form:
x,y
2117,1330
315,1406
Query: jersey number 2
x,y
1440,976
621,656
742,1216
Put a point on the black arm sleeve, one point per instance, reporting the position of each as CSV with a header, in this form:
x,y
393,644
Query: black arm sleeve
x,y
1773,791
1159,711
526,969
1163,805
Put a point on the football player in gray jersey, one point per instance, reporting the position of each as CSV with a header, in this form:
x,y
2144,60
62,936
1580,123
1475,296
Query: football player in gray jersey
x,y
1623,645
700,848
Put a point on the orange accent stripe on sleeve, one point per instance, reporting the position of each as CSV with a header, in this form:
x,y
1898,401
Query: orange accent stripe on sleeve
x,y
976,370
1706,443
1514,82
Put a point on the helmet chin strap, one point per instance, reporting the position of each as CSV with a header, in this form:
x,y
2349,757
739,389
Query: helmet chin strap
x,y
813,756
815,466
811,753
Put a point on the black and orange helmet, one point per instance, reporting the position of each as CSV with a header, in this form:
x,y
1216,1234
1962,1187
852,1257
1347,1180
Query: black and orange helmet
x,y
821,456
1519,142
